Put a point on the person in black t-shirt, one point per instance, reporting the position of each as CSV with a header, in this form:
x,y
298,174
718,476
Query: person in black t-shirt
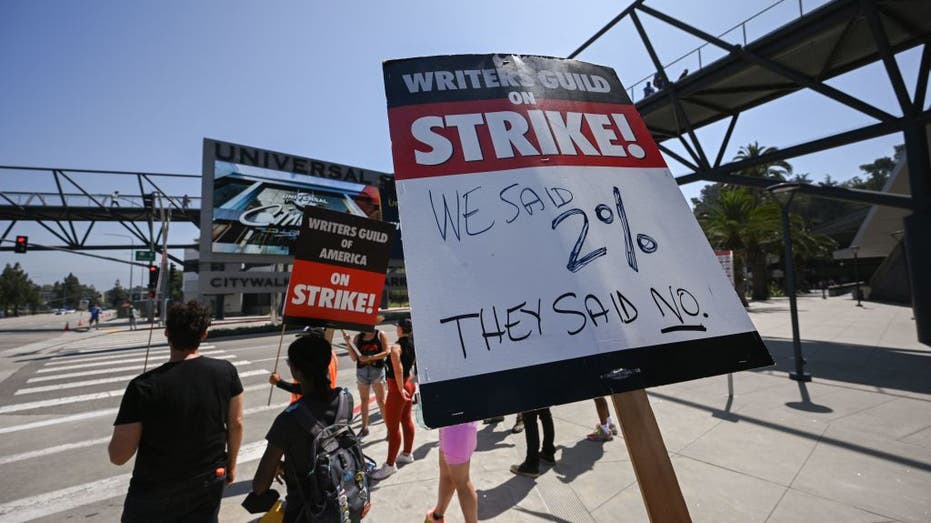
x,y
308,360
185,420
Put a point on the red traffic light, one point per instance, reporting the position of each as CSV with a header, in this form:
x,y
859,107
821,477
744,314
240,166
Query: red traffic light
x,y
22,244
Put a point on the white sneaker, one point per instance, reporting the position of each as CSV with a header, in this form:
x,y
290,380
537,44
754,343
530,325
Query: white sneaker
x,y
385,471
404,458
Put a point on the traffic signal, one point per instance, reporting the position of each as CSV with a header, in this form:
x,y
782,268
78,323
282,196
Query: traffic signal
x,y
22,244
148,201
153,277
171,272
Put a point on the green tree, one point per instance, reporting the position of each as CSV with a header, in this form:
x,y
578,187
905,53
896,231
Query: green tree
x,y
877,171
779,169
738,221
17,290
69,292
176,286
117,295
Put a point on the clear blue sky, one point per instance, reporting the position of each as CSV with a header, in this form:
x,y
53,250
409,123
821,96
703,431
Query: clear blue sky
x,y
137,85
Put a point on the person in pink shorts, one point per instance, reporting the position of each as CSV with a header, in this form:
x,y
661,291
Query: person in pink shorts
x,y
457,443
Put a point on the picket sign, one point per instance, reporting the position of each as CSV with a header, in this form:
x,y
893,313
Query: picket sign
x,y
550,255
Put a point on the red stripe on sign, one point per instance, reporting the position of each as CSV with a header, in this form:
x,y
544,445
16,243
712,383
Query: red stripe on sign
x,y
320,291
492,135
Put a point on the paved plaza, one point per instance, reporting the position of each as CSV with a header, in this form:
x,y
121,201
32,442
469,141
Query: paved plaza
x,y
854,445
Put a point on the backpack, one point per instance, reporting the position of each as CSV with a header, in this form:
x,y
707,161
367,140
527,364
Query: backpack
x,y
336,489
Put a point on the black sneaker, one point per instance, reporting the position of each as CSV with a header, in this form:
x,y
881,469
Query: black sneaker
x,y
549,459
496,419
524,470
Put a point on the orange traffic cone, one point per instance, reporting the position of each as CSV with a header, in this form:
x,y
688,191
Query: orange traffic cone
x,y
66,326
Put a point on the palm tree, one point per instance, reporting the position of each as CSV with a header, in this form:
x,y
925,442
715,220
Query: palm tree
x,y
752,228
778,169
737,221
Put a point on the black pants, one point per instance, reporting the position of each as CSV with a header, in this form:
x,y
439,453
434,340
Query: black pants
x,y
532,435
194,502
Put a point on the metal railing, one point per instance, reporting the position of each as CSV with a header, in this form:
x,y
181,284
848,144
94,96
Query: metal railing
x,y
47,199
695,57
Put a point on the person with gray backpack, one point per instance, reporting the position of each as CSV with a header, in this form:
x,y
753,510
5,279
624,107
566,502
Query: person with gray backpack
x,y
325,471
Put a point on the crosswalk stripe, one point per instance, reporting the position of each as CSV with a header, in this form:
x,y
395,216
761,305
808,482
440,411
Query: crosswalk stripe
x,y
52,450
89,443
76,357
74,384
91,383
18,407
108,370
117,362
59,420
69,498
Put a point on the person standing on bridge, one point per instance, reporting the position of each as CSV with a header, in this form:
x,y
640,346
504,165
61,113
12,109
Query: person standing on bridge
x,y
185,420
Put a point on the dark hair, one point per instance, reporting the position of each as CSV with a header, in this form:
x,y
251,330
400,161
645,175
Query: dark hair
x,y
186,325
407,327
311,355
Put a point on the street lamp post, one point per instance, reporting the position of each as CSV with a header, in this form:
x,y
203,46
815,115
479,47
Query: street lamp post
x,y
856,272
130,261
784,193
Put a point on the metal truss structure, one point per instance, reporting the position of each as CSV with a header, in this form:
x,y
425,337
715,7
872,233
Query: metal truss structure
x,y
71,216
804,54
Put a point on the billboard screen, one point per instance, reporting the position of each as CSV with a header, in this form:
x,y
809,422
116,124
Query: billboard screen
x,y
254,200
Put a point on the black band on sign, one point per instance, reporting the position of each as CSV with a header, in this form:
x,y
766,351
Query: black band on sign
x,y
458,78
567,381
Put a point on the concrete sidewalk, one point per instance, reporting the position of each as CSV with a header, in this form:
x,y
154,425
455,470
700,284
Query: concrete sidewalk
x,y
852,445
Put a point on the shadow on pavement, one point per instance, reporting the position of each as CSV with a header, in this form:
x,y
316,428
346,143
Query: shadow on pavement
x,y
495,501
882,367
489,439
578,459
806,404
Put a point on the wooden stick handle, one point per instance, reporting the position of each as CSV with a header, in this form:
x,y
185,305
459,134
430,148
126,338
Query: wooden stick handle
x,y
277,357
658,484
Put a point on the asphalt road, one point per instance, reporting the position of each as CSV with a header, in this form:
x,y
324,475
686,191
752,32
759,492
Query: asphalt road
x,y
58,400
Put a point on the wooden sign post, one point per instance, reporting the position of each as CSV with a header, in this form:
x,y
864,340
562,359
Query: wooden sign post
x,y
655,475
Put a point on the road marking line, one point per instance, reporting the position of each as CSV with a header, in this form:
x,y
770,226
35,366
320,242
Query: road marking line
x,y
89,443
52,450
56,421
212,353
88,354
100,381
55,502
99,371
18,407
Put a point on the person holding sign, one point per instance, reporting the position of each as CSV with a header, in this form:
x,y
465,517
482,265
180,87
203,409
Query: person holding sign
x,y
398,405
309,360
294,387
369,350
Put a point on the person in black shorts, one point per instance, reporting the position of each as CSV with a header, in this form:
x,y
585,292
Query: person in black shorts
x,y
185,420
